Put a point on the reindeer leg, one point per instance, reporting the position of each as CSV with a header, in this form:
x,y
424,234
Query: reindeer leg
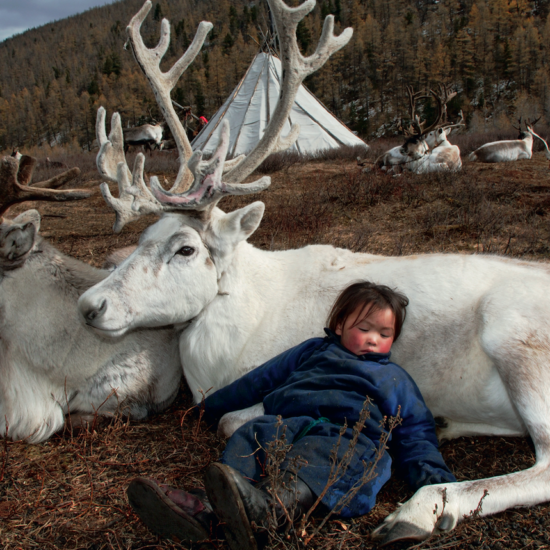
x,y
518,343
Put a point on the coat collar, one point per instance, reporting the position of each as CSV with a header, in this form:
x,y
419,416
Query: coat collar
x,y
333,338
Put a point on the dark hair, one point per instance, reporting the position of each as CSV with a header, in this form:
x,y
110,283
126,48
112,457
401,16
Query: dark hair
x,y
371,298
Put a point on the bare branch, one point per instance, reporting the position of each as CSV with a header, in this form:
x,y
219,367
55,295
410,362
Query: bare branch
x,y
13,192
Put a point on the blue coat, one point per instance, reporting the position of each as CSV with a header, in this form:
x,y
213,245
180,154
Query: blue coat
x,y
321,379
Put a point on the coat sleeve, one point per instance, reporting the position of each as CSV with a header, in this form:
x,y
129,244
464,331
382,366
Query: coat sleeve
x,y
253,387
413,445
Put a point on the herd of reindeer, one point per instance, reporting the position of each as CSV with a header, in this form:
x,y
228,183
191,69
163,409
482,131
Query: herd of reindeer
x,y
427,149
195,298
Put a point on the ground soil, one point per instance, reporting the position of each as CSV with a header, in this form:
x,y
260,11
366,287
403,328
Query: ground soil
x,y
70,491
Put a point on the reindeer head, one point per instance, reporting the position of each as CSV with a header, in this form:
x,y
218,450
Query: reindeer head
x,y
437,131
182,260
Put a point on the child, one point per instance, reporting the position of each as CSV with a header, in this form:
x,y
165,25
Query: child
x,y
315,387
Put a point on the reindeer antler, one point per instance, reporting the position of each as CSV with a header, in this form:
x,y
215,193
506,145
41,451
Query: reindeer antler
x,y
133,200
416,126
530,123
206,188
295,69
15,180
518,127
162,83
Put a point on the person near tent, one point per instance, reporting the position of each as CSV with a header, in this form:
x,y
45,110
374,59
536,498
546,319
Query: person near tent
x,y
316,391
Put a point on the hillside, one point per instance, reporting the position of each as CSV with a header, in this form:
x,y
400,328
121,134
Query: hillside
x,y
53,78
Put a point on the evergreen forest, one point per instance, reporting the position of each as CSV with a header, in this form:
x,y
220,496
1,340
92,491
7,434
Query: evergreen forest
x,y
495,53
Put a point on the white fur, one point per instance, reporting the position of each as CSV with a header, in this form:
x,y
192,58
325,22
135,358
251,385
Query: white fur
x,y
50,364
476,339
146,133
505,150
443,157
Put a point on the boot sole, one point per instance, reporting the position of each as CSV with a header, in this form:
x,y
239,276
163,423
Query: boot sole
x,y
162,516
227,503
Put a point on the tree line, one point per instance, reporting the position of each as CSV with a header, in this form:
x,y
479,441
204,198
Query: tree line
x,y
494,52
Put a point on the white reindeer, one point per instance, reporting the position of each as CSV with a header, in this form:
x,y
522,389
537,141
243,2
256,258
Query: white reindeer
x,y
507,150
50,365
476,339
147,135
443,156
418,154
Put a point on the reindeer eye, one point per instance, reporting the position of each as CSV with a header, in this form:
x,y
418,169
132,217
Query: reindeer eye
x,y
186,251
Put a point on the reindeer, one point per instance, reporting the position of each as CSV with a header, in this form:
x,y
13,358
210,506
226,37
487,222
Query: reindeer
x,y
50,365
147,136
417,154
508,149
443,156
477,335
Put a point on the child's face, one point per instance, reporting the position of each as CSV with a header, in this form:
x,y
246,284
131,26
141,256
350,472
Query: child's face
x,y
374,334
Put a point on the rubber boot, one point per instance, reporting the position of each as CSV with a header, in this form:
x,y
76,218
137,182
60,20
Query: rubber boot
x,y
244,509
172,513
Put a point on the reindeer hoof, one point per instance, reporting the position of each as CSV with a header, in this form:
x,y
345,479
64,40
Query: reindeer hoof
x,y
401,530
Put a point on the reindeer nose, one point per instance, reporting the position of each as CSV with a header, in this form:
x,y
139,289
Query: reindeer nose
x,y
94,312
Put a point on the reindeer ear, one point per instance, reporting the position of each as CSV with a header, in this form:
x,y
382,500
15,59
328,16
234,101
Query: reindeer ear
x,y
241,223
17,239
30,216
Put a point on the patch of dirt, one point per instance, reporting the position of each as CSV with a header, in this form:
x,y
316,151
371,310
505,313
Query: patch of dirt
x,y
70,492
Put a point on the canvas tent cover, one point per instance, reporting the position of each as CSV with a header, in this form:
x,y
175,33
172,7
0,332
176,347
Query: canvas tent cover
x,y
249,108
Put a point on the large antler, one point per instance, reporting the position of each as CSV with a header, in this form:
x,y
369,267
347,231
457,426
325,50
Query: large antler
x,y
15,184
295,69
207,187
112,149
416,126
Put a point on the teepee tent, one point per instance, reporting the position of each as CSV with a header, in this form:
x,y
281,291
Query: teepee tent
x,y
249,108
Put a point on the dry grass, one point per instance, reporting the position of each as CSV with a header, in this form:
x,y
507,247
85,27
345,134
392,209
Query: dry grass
x,y
69,493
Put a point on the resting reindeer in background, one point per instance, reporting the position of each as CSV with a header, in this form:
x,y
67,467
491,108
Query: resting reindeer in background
x,y
443,157
415,155
50,365
486,372
508,149
147,135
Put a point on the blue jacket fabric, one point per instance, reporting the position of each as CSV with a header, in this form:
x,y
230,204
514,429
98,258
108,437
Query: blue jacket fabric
x,y
322,379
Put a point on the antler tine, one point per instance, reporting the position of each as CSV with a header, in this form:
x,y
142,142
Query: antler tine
x,y
162,83
450,125
295,69
530,124
13,192
207,188
133,200
111,149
